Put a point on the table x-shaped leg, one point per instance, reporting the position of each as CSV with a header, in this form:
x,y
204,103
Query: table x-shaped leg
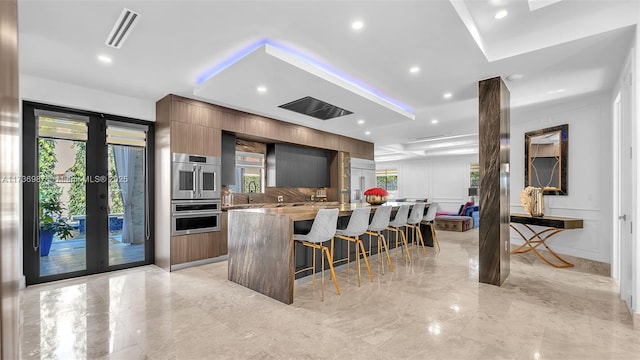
x,y
537,239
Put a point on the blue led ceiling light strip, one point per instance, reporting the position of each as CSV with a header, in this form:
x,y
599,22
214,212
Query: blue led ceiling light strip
x,y
208,74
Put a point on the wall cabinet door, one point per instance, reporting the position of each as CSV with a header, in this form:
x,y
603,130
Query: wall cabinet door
x,y
228,159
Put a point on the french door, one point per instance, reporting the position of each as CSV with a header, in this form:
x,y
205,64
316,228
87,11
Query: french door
x,y
86,193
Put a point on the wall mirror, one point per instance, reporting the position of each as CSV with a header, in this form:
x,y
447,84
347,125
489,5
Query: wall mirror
x,y
546,159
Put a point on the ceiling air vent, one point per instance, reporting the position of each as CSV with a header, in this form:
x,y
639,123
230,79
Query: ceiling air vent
x,y
122,28
316,108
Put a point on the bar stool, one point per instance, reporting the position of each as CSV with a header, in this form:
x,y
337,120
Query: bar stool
x,y
380,222
323,229
413,223
358,223
399,221
430,220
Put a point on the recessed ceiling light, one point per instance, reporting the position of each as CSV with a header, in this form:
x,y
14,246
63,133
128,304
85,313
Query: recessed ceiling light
x,y
515,77
447,95
367,132
414,69
360,122
357,25
434,121
105,59
501,14
262,89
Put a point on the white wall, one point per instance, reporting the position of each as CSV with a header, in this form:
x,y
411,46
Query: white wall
x,y
73,96
590,179
444,180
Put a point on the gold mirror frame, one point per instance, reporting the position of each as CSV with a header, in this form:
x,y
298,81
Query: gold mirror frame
x,y
546,159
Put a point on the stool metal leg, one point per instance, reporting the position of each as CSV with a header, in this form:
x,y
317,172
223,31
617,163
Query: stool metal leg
x,y
382,246
404,241
386,251
333,273
323,250
313,265
418,238
434,235
364,255
359,247
322,267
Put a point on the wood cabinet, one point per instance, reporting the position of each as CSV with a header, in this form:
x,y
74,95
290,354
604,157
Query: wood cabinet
x,y
357,148
193,247
228,159
191,127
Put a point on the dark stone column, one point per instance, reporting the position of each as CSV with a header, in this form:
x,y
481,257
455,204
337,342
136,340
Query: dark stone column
x,y
494,139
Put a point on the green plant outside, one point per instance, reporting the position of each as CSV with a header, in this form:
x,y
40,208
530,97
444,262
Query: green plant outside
x,y
388,182
78,190
50,206
115,195
47,186
49,193
251,183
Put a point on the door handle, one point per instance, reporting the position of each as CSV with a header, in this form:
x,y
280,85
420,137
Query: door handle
x,y
36,233
200,182
195,181
623,217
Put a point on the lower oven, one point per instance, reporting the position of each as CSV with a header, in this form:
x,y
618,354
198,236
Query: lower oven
x,y
195,216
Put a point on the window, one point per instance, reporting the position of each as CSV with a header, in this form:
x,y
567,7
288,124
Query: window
x,y
474,176
249,172
387,179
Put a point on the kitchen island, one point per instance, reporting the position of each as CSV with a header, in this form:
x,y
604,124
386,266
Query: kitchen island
x,y
261,248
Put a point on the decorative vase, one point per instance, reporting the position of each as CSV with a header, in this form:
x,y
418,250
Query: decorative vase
x,y
375,199
46,238
532,200
537,202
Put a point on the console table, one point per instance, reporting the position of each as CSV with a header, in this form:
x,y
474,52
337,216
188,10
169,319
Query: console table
x,y
552,225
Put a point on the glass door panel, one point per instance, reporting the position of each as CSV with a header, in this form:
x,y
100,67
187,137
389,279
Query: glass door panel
x,y
127,195
61,195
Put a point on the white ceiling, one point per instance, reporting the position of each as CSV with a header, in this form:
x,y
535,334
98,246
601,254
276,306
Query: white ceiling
x,y
564,49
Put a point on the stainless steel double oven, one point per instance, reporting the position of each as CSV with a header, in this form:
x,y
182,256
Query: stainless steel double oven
x,y
195,204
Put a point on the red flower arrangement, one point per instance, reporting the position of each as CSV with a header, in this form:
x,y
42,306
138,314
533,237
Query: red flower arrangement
x,y
376,191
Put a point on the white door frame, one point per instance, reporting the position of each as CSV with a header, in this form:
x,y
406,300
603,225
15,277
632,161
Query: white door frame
x,y
615,259
623,252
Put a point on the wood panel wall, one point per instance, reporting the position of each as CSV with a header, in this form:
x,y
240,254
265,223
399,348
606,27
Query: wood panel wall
x,y
10,264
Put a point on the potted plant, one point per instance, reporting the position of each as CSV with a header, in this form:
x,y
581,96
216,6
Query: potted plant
x,y
52,223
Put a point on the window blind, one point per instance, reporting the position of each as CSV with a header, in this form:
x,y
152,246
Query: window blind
x,y
119,135
61,127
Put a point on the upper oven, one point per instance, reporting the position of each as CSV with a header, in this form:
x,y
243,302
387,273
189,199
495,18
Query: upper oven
x,y
195,177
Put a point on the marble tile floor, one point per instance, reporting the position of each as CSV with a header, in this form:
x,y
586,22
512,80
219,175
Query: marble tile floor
x,y
433,308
